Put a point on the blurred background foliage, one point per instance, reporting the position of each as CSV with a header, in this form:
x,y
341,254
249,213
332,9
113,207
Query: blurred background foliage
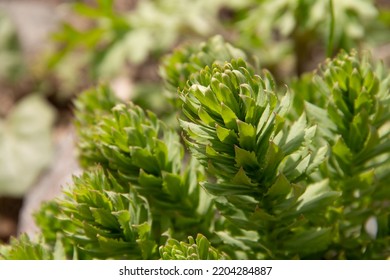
x,y
121,43
11,61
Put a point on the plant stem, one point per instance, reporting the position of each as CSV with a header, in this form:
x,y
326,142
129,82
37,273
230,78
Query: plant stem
x,y
329,52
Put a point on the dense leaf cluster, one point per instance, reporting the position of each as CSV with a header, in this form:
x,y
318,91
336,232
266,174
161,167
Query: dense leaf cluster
x,y
269,175
198,249
355,123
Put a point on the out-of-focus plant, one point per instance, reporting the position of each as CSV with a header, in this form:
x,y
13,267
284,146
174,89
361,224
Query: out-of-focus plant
x,y
11,66
25,129
112,39
25,144
355,121
285,33
287,37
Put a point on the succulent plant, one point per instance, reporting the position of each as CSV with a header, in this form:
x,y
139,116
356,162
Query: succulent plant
x,y
263,179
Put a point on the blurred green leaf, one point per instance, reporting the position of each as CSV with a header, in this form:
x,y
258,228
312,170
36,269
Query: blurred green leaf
x,y
310,241
317,196
25,144
11,57
24,248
